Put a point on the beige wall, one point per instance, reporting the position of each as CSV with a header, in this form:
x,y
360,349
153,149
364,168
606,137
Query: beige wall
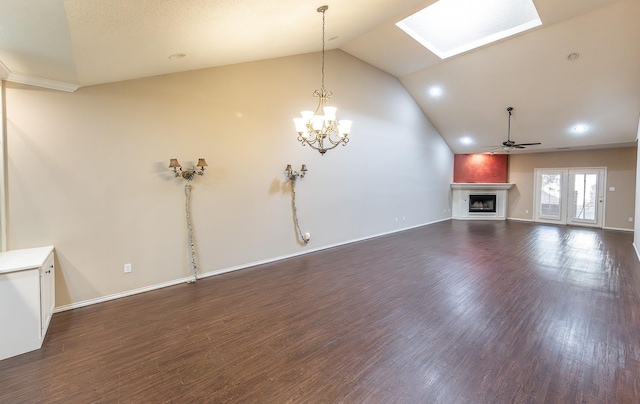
x,y
636,227
87,172
621,171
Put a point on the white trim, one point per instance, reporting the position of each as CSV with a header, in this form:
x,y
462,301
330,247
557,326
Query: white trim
x,y
45,83
635,247
120,295
4,71
518,219
225,270
617,229
481,185
3,168
566,198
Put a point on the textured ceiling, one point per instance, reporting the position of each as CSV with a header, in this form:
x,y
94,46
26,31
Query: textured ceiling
x,y
66,44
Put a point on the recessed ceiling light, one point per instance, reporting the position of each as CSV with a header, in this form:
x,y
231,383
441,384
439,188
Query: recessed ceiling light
x,y
177,56
435,91
450,27
466,140
580,128
573,56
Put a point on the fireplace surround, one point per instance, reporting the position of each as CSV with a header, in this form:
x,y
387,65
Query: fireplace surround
x,y
479,201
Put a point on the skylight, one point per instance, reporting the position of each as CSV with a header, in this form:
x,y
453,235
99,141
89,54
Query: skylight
x,y
450,27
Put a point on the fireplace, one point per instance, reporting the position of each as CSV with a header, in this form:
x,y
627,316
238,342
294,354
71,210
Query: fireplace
x,y
482,203
479,201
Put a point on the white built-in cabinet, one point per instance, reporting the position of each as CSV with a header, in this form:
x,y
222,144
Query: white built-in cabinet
x,y
27,299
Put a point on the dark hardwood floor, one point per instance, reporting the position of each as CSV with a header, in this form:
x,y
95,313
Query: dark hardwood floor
x,y
455,312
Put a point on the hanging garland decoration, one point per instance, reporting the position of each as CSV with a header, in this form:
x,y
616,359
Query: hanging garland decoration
x,y
293,176
192,248
303,236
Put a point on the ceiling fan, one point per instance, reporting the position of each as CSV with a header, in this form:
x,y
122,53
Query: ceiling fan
x,y
509,144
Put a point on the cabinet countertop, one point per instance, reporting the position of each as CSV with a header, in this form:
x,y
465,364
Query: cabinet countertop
x,y
20,260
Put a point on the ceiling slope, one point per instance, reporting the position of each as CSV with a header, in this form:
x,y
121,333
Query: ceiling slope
x,y
65,44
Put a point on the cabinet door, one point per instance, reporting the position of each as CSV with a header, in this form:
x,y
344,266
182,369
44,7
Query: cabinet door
x,y
47,294
19,312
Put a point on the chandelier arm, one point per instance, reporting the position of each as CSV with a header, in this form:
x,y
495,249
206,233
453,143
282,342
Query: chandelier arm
x,y
333,146
308,141
313,145
339,140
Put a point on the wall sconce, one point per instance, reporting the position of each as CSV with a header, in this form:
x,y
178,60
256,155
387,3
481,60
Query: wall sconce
x,y
293,176
189,173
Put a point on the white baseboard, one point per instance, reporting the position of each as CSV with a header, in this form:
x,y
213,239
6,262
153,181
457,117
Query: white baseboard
x,y
120,295
225,270
518,219
617,228
635,247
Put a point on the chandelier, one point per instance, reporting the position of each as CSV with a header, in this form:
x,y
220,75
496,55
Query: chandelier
x,y
320,129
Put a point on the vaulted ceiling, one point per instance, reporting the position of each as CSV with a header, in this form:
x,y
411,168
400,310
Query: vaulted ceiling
x,y
65,44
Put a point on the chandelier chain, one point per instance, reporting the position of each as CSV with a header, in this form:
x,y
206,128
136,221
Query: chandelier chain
x,y
323,50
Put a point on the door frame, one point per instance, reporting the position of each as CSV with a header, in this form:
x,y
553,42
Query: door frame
x,y
562,215
600,197
565,198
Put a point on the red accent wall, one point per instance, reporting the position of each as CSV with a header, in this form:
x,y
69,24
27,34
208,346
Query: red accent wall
x,y
489,168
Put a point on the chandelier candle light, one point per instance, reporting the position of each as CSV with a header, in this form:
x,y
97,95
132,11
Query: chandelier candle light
x,y
320,129
189,174
293,176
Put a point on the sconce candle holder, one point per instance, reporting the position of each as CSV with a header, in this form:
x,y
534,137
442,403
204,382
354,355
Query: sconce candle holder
x,y
293,176
189,173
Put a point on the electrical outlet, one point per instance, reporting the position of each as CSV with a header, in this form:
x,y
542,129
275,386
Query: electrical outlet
x,y
403,218
631,219
396,219
127,268
526,211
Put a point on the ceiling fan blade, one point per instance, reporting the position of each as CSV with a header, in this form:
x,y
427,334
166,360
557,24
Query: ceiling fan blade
x,y
527,144
519,146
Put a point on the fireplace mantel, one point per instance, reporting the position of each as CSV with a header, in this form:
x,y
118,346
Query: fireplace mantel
x,y
460,200
480,185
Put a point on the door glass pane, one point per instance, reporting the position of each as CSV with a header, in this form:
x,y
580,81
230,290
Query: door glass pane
x,y
550,195
584,196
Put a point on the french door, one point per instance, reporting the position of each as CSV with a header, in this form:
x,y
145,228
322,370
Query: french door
x,y
570,196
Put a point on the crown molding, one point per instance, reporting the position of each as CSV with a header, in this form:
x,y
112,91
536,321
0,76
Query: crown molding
x,y
40,82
